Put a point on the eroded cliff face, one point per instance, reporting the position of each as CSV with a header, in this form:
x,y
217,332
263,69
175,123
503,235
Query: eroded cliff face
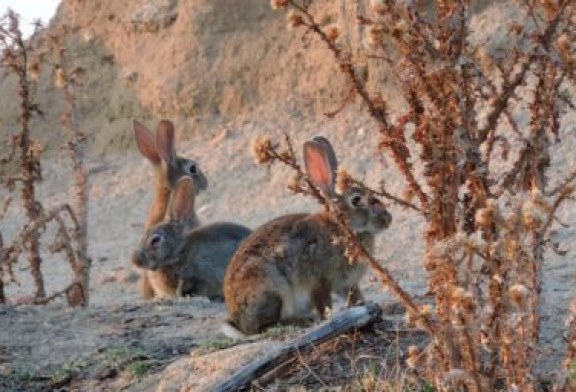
x,y
198,62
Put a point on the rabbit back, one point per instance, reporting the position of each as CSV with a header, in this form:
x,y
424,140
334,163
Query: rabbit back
x,y
209,250
284,269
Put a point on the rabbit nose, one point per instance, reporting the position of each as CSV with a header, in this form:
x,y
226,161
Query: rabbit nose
x,y
154,240
383,219
136,260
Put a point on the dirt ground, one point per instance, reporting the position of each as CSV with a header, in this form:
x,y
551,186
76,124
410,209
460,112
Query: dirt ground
x,y
57,338
58,346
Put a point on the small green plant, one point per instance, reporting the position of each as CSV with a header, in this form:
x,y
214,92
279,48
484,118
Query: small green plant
x,y
428,388
140,367
572,371
279,331
368,379
120,356
23,375
215,345
64,374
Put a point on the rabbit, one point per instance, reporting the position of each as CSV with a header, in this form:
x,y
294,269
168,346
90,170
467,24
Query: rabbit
x,y
191,261
294,262
168,169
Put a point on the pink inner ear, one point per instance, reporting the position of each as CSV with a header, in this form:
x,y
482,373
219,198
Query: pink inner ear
x,y
165,140
146,143
182,207
318,167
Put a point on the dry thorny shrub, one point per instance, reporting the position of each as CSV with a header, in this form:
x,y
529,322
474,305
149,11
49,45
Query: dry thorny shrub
x,y
487,225
24,59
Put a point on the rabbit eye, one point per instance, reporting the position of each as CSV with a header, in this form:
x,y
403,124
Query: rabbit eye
x,y
154,240
192,169
355,200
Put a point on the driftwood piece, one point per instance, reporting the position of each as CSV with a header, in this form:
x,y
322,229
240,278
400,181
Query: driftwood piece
x,y
355,317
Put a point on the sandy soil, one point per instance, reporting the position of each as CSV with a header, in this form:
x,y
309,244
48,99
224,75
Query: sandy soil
x,y
239,191
41,341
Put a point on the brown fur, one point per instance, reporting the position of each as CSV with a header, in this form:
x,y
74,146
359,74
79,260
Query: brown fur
x,y
168,169
188,261
293,264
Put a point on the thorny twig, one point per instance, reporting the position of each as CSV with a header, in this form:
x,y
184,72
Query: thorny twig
x,y
72,286
444,90
376,107
15,56
19,244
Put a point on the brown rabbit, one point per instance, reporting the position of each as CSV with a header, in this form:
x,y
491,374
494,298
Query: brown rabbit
x,y
193,261
168,169
293,263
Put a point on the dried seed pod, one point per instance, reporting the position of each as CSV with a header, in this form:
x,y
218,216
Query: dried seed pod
x,y
260,149
343,180
413,356
511,220
426,311
563,44
294,20
374,36
411,319
463,300
332,32
519,294
532,216
378,6
484,218
34,71
59,78
278,4
510,247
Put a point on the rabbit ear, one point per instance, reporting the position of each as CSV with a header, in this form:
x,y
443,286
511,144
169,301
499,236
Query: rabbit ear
x,y
146,142
182,205
165,141
321,164
329,151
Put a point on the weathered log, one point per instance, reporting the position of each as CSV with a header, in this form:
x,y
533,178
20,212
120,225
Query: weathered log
x,y
344,321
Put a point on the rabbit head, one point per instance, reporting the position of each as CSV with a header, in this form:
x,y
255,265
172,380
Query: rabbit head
x,y
160,150
164,243
364,212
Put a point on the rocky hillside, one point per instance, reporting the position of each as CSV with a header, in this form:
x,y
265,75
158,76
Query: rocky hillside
x,y
198,62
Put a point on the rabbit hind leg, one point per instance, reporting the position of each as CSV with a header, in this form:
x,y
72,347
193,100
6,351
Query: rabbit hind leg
x,y
263,311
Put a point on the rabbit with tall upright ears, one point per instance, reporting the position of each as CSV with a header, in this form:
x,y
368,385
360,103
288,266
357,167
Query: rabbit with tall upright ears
x,y
293,264
192,261
160,151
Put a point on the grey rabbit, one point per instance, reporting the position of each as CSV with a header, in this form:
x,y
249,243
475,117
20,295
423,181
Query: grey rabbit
x,y
191,261
169,167
293,263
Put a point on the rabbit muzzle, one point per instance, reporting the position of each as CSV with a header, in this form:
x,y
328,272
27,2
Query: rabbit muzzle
x,y
380,219
141,259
